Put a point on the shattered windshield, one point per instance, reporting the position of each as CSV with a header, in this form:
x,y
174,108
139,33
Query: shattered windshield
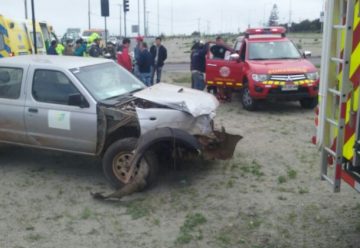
x,y
107,80
273,50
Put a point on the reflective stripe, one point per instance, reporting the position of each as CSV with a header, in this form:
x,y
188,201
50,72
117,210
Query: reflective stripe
x,y
3,30
210,82
219,83
239,84
229,84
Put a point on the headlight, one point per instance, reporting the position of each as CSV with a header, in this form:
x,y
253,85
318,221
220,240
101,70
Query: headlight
x,y
312,75
260,77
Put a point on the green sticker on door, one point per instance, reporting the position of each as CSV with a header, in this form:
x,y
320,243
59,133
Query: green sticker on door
x,y
59,119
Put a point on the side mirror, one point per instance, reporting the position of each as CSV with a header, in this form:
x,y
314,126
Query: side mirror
x,y
307,54
77,100
234,57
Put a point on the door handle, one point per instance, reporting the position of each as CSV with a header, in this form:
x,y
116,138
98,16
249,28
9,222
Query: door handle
x,y
213,65
33,110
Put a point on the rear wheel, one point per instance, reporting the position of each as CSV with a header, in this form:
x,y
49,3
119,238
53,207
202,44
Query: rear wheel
x,y
247,101
116,163
309,103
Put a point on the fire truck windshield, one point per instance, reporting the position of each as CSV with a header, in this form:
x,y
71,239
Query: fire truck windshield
x,y
273,50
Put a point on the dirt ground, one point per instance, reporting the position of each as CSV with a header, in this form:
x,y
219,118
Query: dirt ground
x,y
268,195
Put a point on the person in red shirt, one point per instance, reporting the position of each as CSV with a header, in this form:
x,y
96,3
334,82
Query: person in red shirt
x,y
123,56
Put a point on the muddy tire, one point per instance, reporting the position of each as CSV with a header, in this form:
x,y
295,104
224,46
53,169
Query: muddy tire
x,y
247,101
309,103
116,163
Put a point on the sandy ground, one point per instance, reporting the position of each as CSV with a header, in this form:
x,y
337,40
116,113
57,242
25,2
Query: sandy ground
x,y
268,195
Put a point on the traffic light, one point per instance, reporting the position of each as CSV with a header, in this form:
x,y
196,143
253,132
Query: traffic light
x,y
126,5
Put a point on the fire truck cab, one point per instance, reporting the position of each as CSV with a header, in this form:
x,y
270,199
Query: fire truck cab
x,y
264,64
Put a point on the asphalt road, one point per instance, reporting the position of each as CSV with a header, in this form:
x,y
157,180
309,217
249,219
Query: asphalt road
x,y
180,67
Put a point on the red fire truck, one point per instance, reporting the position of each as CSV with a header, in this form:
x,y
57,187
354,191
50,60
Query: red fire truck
x,y
264,64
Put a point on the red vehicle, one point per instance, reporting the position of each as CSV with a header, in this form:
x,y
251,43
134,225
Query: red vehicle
x,y
264,64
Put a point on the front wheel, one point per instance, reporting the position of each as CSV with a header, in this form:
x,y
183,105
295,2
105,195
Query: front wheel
x,y
116,163
247,101
309,103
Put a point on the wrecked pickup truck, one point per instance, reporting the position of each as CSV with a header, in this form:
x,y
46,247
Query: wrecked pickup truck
x,y
94,107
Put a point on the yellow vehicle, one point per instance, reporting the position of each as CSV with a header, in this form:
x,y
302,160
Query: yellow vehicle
x,y
14,39
40,42
48,33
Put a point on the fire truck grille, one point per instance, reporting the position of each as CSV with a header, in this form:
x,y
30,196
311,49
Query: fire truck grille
x,y
287,78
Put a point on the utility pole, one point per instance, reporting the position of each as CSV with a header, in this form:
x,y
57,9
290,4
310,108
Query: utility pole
x,y
290,15
199,20
158,18
25,5
34,26
89,14
138,17
121,10
145,18
172,17
147,22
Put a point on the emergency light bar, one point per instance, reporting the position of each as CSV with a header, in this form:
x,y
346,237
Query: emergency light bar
x,y
264,31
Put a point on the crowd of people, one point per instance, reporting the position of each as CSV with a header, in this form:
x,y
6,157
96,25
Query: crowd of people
x,y
147,63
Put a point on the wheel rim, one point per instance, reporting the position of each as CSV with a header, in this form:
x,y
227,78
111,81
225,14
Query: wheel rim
x,y
247,100
121,167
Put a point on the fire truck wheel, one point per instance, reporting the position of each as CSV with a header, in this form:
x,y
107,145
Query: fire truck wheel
x,y
247,101
309,103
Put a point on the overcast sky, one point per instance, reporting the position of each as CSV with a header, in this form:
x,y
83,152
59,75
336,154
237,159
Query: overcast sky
x,y
176,16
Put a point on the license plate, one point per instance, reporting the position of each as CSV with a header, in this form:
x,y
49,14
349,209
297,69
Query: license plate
x,y
289,87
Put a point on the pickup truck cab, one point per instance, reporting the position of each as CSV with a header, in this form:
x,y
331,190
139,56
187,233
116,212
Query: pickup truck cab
x,y
94,107
264,64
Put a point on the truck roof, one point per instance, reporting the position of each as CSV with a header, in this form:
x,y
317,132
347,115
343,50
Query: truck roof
x,y
66,62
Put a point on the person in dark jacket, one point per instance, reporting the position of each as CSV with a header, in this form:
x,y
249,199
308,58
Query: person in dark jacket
x,y
95,50
159,54
52,48
145,63
198,66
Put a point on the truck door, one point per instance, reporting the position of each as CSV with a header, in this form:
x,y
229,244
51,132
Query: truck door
x,y
221,69
12,101
52,121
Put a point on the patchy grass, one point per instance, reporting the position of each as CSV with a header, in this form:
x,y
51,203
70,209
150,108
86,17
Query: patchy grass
x,y
254,169
303,190
281,179
189,230
137,210
34,237
182,79
86,213
291,173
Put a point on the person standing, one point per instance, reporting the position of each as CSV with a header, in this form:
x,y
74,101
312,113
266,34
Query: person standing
x,y
198,65
80,48
137,51
94,49
145,64
52,48
159,54
123,57
69,49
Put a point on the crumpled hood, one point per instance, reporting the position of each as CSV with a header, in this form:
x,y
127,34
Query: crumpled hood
x,y
192,101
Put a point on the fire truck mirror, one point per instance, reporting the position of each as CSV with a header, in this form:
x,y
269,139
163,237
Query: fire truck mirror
x,y
307,54
234,57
